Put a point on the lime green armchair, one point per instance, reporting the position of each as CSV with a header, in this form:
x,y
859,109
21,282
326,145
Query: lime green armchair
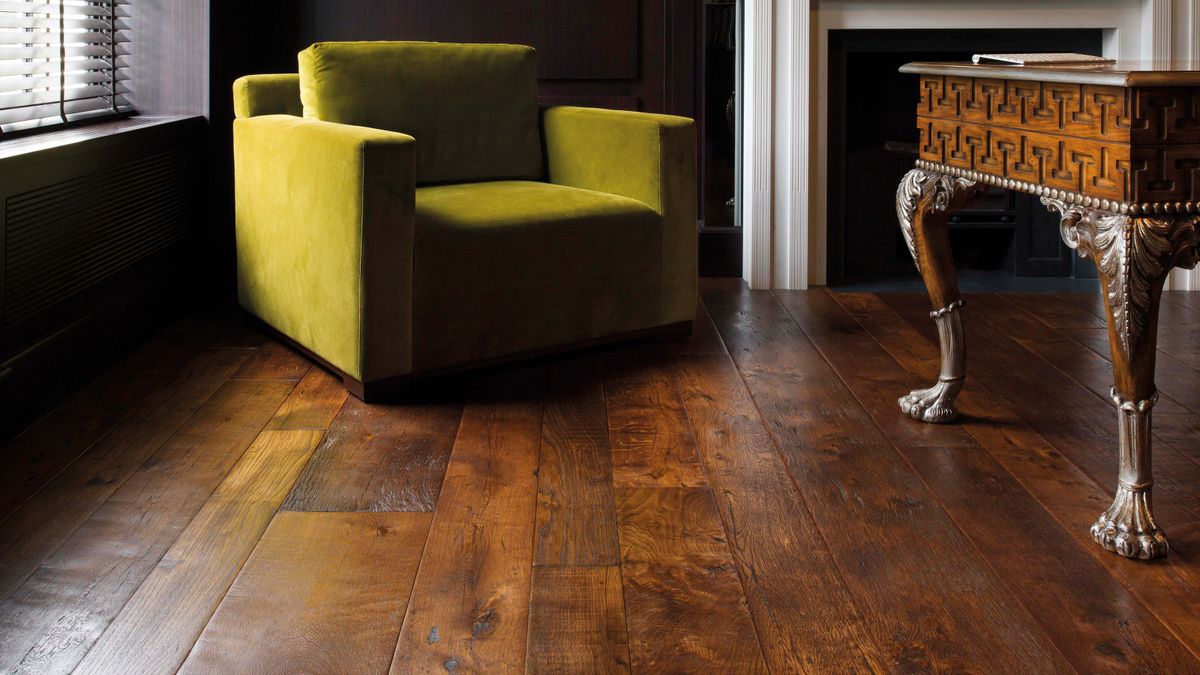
x,y
406,209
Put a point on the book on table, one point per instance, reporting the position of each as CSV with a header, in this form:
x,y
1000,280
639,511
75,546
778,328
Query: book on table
x,y
1042,59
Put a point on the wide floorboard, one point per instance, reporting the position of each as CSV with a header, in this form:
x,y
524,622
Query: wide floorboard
x,y
747,500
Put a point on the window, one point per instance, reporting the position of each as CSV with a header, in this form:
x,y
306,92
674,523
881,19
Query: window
x,y
62,61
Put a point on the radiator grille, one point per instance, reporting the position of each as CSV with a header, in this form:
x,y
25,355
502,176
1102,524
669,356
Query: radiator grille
x,y
64,238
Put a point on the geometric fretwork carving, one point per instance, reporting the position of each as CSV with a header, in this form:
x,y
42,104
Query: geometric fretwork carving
x,y
1088,111
1078,165
1165,115
1175,175
1139,115
1135,146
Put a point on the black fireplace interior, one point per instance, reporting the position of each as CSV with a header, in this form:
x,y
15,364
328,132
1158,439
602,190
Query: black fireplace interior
x,y
873,142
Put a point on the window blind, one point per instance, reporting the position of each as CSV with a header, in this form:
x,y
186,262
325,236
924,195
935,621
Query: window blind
x,y
62,61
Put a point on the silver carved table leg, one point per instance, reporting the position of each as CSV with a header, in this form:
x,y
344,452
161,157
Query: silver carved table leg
x,y
1133,256
923,202
936,404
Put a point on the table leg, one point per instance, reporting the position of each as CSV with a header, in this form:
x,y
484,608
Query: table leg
x,y
923,202
1133,256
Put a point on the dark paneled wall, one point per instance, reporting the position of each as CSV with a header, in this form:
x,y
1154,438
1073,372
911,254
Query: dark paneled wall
x,y
636,54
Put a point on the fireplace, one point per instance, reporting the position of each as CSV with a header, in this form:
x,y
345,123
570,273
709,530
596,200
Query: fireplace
x,y
872,142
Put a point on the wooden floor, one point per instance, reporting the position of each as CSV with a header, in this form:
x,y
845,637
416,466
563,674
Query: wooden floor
x,y
748,500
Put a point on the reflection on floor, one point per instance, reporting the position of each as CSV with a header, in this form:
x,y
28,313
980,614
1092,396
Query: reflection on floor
x,y
975,281
748,500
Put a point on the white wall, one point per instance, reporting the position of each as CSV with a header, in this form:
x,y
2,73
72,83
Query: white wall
x,y
786,115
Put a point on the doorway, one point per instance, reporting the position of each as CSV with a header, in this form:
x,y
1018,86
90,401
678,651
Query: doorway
x,y
720,229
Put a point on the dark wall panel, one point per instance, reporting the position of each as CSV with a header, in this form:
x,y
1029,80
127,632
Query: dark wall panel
x,y
611,102
469,21
589,40
632,54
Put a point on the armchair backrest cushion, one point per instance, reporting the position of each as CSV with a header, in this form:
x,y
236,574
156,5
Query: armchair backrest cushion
x,y
471,107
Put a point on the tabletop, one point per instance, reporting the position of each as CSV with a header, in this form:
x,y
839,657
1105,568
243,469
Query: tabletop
x,y
1176,73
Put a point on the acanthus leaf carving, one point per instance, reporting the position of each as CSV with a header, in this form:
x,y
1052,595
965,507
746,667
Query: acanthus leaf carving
x,y
937,190
1133,255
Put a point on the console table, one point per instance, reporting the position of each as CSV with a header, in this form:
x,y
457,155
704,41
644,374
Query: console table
x,y
1115,151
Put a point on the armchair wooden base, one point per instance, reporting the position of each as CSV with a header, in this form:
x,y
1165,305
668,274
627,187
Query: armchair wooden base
x,y
405,386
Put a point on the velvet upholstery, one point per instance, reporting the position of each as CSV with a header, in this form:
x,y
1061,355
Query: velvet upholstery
x,y
325,238
647,157
255,95
512,250
472,108
346,250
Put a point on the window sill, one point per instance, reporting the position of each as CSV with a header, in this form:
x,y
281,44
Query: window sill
x,y
50,140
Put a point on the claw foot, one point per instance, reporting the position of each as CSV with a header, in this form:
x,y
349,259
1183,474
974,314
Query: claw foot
x,y
1127,528
934,405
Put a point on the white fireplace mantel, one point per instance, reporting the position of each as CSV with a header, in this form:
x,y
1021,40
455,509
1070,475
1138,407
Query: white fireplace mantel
x,y
785,83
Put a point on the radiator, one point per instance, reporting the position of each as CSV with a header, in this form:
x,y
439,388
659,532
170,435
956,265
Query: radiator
x,y
98,238
78,214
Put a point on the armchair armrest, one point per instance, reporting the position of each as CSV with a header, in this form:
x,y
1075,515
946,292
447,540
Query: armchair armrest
x,y
643,156
325,238
255,95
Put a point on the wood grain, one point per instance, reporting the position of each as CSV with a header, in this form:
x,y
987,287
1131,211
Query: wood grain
x,y
1178,410
867,370
156,628
1176,381
930,244
35,530
577,621
1094,168
1098,624
1180,309
648,430
864,492
1061,311
704,338
1087,436
1065,491
314,403
52,619
322,593
1136,144
684,604
1087,110
52,443
43,450
1180,344
470,602
818,543
1085,366
379,458
1180,431
781,563
576,523
273,360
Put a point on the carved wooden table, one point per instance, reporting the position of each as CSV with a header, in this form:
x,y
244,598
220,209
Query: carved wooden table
x,y
1115,150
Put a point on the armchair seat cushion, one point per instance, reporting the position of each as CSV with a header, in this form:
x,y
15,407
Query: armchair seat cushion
x,y
499,254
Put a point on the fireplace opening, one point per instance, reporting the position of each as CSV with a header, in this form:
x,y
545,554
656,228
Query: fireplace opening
x,y
873,142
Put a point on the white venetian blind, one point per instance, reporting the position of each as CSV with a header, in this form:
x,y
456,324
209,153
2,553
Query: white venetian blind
x,y
61,61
